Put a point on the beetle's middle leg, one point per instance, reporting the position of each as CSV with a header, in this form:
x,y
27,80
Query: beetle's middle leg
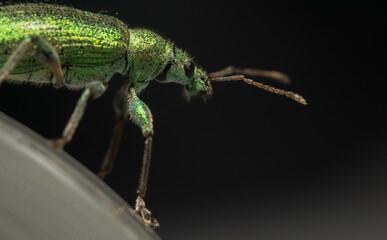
x,y
142,116
45,53
120,106
93,89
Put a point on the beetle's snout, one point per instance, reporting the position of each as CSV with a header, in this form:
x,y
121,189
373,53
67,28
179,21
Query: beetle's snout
x,y
205,94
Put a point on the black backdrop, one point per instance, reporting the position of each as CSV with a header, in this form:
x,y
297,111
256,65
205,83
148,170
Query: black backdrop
x,y
248,164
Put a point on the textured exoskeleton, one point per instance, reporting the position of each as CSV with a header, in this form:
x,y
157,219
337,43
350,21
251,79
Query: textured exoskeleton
x,y
59,45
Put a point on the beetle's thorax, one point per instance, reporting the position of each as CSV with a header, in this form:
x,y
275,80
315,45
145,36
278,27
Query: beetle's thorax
x,y
148,54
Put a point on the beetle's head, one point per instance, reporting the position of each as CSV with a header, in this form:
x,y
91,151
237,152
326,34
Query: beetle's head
x,y
197,82
182,69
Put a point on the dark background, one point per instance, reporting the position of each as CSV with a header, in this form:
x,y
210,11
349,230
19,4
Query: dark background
x,y
248,164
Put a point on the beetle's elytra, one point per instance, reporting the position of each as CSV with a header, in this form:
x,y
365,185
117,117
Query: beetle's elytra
x,y
59,45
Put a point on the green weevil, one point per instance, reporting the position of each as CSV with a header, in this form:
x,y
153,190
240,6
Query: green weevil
x,y
59,45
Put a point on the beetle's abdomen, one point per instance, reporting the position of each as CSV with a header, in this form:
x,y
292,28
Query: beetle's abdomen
x,y
86,42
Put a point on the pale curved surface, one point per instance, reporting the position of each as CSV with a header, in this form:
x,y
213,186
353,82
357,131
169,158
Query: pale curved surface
x,y
45,194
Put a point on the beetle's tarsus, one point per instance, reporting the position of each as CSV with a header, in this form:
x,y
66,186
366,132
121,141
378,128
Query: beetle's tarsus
x,y
145,213
58,144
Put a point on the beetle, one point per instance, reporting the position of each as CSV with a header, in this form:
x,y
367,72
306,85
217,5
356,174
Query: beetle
x,y
66,47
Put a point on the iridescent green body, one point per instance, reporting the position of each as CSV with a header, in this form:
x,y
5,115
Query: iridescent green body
x,y
52,44
91,47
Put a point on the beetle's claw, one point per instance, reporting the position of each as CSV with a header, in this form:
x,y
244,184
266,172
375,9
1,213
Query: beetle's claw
x,y
146,214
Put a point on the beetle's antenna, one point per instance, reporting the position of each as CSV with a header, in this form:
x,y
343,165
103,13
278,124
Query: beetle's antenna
x,y
288,94
278,76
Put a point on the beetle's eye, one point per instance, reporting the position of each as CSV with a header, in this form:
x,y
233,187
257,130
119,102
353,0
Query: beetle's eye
x,y
189,68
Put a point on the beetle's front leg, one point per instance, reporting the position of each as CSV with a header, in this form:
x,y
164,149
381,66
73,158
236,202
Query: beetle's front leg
x,y
94,89
142,116
45,53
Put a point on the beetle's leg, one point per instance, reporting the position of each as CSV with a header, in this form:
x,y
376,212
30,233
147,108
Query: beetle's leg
x,y
279,76
120,106
45,53
142,116
94,89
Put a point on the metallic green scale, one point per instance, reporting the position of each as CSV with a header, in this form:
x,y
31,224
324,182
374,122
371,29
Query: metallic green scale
x,y
91,47
148,55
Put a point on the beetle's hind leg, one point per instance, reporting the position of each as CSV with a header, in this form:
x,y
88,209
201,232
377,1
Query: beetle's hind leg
x,y
45,53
